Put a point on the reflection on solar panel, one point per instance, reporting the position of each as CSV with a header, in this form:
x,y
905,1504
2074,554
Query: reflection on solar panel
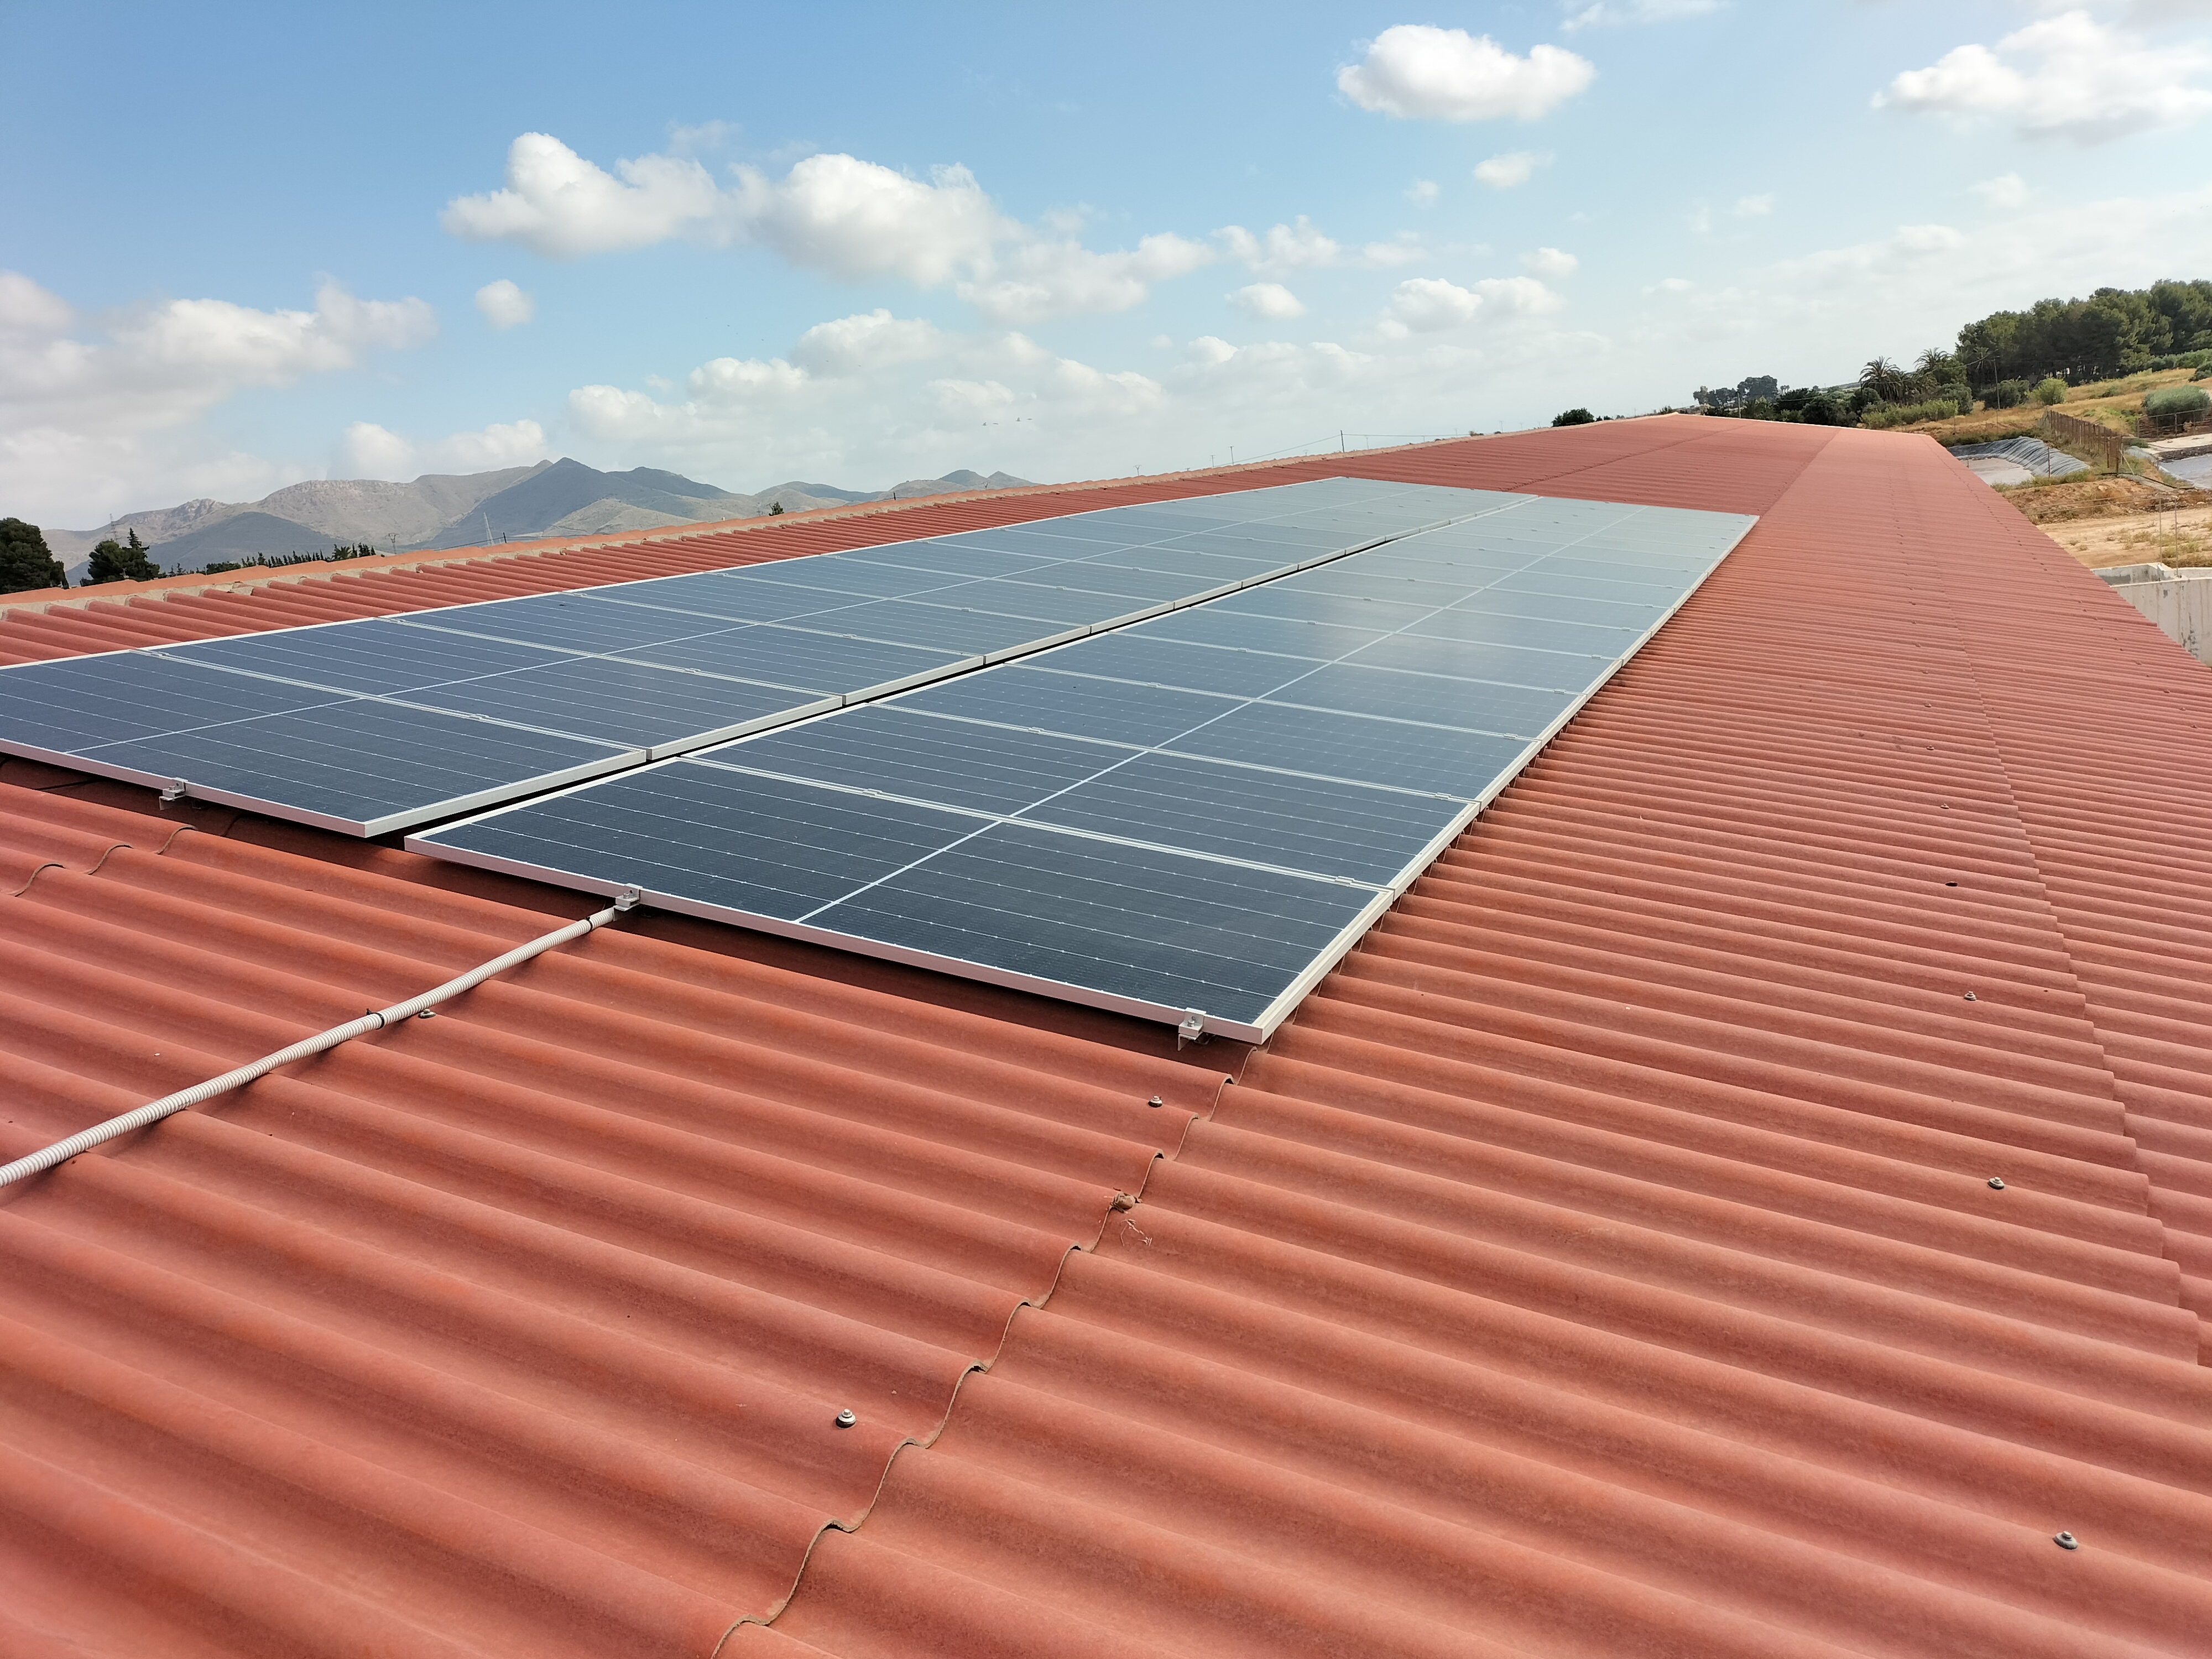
x,y
369,726
1190,819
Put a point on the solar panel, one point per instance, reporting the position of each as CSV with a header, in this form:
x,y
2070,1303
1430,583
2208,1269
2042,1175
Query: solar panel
x,y
1190,815
444,711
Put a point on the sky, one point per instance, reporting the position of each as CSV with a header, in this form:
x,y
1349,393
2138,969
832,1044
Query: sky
x,y
245,246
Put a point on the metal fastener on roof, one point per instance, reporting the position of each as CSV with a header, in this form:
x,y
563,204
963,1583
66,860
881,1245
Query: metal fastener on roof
x,y
1971,997
1997,1181
1155,1101
846,1420
2066,1540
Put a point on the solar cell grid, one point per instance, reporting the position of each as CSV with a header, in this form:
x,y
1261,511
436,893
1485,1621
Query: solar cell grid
x,y
1165,814
635,670
374,657
1148,659
362,764
1138,924
894,751
724,596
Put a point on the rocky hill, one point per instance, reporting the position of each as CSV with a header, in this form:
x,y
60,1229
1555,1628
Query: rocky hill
x,y
441,510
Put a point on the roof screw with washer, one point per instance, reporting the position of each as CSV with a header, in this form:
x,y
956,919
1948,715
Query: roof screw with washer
x,y
1997,1183
2066,1540
1155,1101
1971,997
846,1420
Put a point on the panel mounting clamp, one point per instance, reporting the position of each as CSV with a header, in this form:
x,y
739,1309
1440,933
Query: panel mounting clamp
x,y
628,899
175,791
1193,1029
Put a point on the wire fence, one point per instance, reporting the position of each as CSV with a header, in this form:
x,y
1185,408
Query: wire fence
x,y
1342,441
2085,438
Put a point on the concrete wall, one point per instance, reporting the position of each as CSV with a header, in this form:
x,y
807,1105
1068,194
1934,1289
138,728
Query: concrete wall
x,y
2178,603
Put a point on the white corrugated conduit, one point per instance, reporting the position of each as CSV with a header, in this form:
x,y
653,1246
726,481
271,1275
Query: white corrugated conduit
x,y
155,1111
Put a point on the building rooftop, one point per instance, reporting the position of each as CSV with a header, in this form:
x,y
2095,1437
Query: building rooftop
x,y
1608,1258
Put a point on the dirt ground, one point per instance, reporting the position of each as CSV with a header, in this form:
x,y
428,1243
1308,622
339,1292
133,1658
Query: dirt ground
x,y
2107,521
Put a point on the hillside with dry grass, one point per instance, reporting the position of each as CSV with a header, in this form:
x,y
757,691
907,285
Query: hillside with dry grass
x,y
2113,403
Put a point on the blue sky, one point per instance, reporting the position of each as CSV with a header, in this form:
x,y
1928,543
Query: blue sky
x,y
246,246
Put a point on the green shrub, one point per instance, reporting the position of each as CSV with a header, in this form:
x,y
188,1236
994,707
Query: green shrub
x,y
1888,415
2203,374
2175,406
2052,390
1573,418
2009,394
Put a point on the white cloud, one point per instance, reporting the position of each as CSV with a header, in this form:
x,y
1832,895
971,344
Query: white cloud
x,y
504,304
2005,192
1430,305
1286,248
1674,285
1908,248
198,345
1550,262
27,308
1423,192
772,417
853,219
1610,13
556,204
1268,302
162,365
872,340
1039,280
706,134
1304,247
1754,207
1518,296
2068,77
365,450
1416,71
836,214
1423,305
1509,171
1385,256
103,412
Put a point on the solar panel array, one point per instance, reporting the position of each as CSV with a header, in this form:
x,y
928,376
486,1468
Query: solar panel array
x,y
1189,818
374,726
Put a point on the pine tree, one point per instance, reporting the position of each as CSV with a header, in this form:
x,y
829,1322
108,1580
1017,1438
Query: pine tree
x,y
25,561
112,562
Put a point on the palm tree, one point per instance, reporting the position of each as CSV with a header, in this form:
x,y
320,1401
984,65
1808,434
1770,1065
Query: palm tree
x,y
1885,380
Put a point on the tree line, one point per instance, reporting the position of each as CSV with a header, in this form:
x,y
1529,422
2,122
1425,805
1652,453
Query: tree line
x,y
27,563
2003,360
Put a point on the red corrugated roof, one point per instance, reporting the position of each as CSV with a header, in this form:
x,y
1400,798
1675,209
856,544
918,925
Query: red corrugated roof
x,y
1602,1261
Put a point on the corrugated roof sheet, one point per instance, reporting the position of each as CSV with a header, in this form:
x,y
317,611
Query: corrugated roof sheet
x,y
1604,1259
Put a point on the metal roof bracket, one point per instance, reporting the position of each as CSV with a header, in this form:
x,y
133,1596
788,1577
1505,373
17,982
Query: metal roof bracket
x,y
175,791
1193,1029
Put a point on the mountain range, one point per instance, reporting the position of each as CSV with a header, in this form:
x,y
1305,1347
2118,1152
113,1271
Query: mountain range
x,y
441,510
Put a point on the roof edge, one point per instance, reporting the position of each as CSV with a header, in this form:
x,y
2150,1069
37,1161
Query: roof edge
x,y
193,583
